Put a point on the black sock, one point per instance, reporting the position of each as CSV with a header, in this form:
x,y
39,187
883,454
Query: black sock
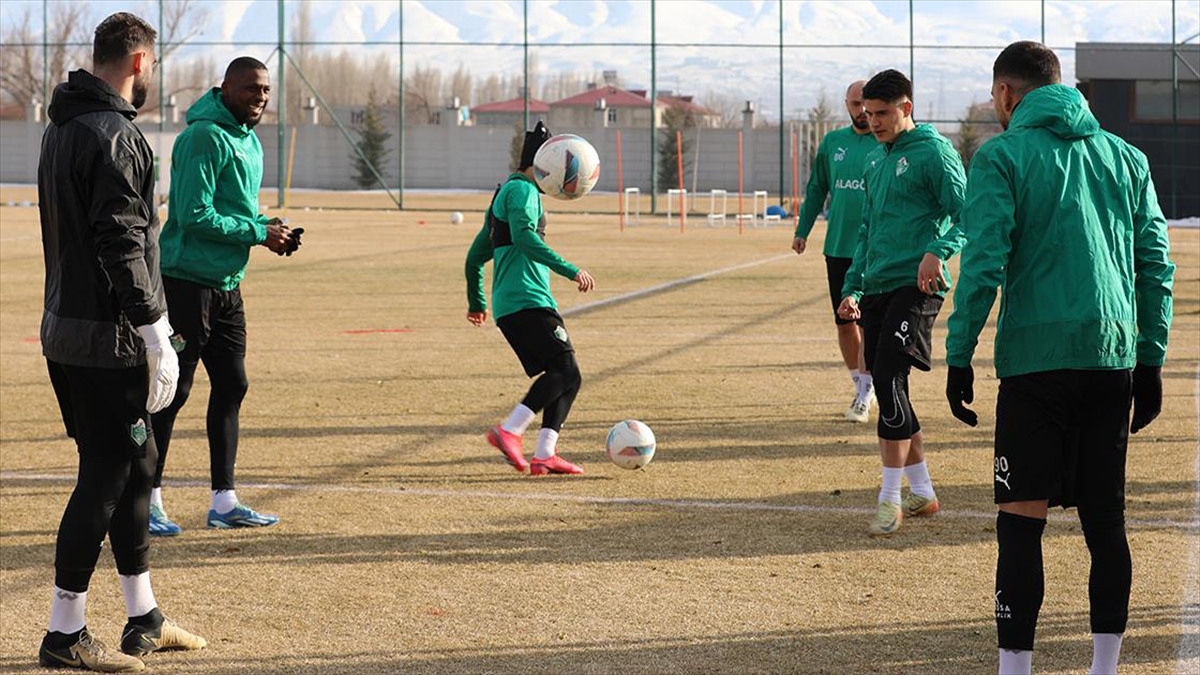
x,y
57,640
1020,583
151,619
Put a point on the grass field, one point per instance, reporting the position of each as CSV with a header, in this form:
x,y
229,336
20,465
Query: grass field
x,y
407,545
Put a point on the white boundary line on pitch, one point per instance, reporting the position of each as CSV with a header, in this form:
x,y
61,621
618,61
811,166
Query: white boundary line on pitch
x,y
587,499
1188,660
633,295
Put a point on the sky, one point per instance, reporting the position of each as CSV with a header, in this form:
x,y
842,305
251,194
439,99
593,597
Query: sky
x,y
725,46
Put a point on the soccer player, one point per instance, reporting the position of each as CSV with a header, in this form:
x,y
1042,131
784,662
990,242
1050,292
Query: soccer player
x,y
914,191
106,341
837,170
1063,217
513,236
216,171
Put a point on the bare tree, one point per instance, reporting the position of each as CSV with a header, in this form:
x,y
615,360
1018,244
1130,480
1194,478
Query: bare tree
x,y
182,21
727,107
63,47
979,125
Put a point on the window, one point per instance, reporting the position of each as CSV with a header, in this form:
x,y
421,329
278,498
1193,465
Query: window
x,y
1152,100
612,115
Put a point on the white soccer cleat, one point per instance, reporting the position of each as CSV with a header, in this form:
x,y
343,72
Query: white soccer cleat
x,y
859,411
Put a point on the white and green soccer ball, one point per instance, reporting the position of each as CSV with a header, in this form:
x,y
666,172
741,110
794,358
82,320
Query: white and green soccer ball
x,y
630,444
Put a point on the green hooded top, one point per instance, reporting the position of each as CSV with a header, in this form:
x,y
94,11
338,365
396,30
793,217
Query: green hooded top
x,y
1064,218
914,195
513,233
216,172
837,170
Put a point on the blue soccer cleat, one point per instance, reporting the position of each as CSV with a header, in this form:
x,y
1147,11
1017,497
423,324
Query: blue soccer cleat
x,y
161,524
240,516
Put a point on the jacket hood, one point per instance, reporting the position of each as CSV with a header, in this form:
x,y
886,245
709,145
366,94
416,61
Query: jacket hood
x,y
919,134
84,93
1057,108
211,108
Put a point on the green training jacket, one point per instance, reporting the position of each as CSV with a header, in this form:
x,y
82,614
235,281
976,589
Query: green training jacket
x,y
837,169
1063,217
213,218
914,195
513,235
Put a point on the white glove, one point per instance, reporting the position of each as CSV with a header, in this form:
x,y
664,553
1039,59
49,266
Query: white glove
x,y
162,363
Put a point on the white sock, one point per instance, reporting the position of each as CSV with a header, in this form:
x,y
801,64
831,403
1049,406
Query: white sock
x,y
854,375
547,443
918,479
1106,651
1016,662
67,613
866,386
156,497
139,597
891,485
518,420
223,501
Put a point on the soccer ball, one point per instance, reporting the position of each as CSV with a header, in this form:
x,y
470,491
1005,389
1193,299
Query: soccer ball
x,y
566,167
456,218
630,444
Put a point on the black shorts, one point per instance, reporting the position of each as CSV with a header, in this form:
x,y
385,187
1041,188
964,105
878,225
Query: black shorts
x,y
901,320
1061,435
835,271
104,409
536,336
206,318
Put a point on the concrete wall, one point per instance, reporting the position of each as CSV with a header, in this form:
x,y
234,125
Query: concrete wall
x,y
452,157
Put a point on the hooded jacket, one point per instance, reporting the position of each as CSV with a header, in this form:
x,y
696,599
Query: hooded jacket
x,y
213,221
99,228
514,233
914,194
1063,216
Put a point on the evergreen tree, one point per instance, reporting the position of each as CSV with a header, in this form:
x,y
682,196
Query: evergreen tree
x,y
970,134
514,148
674,119
372,142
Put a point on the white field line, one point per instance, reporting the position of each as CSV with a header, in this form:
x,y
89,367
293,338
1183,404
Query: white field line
x,y
1188,660
966,514
649,290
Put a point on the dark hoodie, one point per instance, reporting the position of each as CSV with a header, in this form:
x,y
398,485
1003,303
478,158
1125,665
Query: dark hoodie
x,y
99,228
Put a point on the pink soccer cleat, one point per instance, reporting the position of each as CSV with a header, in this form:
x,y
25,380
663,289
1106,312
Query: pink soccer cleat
x,y
509,445
555,464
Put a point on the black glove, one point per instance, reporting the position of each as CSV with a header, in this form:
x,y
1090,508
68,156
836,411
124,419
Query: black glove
x,y
294,240
960,389
1147,396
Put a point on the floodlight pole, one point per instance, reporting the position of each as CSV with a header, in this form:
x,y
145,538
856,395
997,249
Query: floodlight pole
x,y
400,138
780,102
912,76
653,112
282,107
525,69
45,63
1174,112
1044,21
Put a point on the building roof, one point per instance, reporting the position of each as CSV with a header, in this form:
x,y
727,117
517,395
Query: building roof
x,y
684,103
513,105
614,97
1134,61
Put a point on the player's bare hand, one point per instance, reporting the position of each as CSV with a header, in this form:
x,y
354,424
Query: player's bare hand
x,y
278,236
799,245
929,275
585,281
849,309
477,318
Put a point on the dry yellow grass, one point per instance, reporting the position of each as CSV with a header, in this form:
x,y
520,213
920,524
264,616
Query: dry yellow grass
x,y
407,545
